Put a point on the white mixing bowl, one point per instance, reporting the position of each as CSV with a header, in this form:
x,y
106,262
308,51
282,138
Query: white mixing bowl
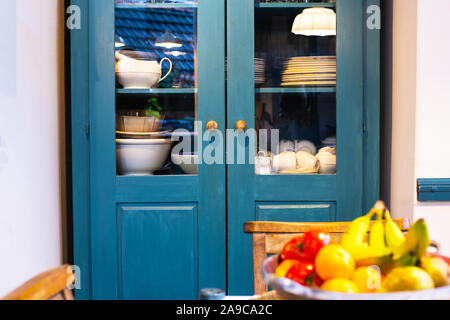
x,y
187,162
141,156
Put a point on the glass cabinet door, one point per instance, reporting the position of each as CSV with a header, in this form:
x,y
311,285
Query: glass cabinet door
x,y
156,81
295,80
147,217
295,87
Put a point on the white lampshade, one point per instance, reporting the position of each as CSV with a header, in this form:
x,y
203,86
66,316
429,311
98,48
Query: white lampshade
x,y
315,22
168,41
175,53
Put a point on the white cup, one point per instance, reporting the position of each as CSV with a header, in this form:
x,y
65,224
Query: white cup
x,y
286,146
284,161
305,145
327,162
306,160
263,163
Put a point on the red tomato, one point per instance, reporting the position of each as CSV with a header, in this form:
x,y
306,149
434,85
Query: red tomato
x,y
316,240
304,273
306,247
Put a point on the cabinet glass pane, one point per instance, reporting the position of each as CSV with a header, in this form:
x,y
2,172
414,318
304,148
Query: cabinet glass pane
x,y
156,95
295,85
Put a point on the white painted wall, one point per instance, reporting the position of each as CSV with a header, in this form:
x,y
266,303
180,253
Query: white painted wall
x,y
31,140
421,109
433,110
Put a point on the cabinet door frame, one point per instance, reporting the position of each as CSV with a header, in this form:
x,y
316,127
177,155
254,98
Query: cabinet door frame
x,y
97,191
357,129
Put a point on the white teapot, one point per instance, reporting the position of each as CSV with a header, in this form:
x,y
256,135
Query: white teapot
x,y
139,74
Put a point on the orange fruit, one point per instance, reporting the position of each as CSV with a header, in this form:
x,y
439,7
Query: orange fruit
x,y
368,279
334,261
340,285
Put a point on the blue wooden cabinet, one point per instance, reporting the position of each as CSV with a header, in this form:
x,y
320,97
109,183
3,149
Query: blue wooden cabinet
x,y
168,235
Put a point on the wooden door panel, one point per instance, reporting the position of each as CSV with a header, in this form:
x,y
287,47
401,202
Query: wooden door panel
x,y
296,212
158,252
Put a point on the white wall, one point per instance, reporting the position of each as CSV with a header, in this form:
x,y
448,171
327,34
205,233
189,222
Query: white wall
x,y
433,110
421,125
31,140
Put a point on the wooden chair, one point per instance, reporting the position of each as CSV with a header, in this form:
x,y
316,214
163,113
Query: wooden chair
x,y
270,237
50,285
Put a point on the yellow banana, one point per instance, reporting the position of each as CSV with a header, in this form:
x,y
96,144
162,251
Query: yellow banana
x,y
353,239
413,248
395,239
376,237
417,240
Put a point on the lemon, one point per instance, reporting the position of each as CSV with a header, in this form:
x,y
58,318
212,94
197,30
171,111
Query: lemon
x,y
333,261
438,269
408,279
340,285
368,279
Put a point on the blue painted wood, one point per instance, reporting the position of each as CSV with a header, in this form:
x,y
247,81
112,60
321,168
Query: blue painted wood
x,y
79,40
350,104
371,114
157,91
296,212
158,252
211,106
292,188
157,189
344,189
241,178
103,191
433,190
103,149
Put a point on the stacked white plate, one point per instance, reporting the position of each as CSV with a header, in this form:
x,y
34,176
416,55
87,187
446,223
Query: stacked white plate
x,y
260,71
307,71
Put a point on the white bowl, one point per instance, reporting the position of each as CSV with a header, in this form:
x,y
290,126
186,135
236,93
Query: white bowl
x,y
327,168
141,156
187,162
138,80
306,146
327,162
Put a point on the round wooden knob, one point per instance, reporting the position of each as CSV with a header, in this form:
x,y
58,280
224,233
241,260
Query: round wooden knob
x,y
241,125
212,125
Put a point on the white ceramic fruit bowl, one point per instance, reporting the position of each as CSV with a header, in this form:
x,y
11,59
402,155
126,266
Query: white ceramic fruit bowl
x,y
187,162
141,156
291,290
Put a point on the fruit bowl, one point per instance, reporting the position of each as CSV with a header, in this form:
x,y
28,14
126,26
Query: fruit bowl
x,y
291,290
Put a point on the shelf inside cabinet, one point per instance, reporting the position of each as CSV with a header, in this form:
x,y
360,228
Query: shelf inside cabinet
x,y
282,5
155,5
297,90
158,91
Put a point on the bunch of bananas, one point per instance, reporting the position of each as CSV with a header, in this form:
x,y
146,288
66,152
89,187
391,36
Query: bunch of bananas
x,y
387,246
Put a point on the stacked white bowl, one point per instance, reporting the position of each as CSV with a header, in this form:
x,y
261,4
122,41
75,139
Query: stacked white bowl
x,y
139,152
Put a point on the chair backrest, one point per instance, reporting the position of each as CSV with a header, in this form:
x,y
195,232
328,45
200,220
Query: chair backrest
x,y
270,237
49,285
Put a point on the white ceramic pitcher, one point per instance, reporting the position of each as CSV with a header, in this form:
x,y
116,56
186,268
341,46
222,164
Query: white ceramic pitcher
x,y
139,74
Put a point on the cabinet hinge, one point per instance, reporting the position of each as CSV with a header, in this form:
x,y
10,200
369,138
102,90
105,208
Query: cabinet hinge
x,y
364,128
88,130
